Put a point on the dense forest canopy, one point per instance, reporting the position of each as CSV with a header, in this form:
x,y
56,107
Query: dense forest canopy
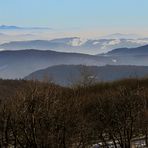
x,y
35,114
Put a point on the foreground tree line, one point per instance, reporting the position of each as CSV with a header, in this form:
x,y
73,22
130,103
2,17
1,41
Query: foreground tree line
x,y
44,115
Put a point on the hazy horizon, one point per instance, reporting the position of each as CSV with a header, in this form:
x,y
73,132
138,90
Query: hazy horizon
x,y
76,18
90,21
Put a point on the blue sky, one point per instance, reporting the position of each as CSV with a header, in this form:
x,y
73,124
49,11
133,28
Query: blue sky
x,y
76,14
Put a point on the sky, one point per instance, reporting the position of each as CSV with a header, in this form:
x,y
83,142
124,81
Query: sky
x,y
85,16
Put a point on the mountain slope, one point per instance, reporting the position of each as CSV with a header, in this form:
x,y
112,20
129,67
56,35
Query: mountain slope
x,y
129,56
66,74
17,64
143,50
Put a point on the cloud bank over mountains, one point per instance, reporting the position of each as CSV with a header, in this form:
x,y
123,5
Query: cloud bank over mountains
x,y
44,38
72,44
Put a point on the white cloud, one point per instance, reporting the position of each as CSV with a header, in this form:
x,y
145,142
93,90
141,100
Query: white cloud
x,y
95,43
114,42
77,42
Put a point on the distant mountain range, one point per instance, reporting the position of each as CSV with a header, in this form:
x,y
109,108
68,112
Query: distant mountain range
x,y
143,50
75,44
20,63
7,27
129,56
24,56
67,74
17,64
